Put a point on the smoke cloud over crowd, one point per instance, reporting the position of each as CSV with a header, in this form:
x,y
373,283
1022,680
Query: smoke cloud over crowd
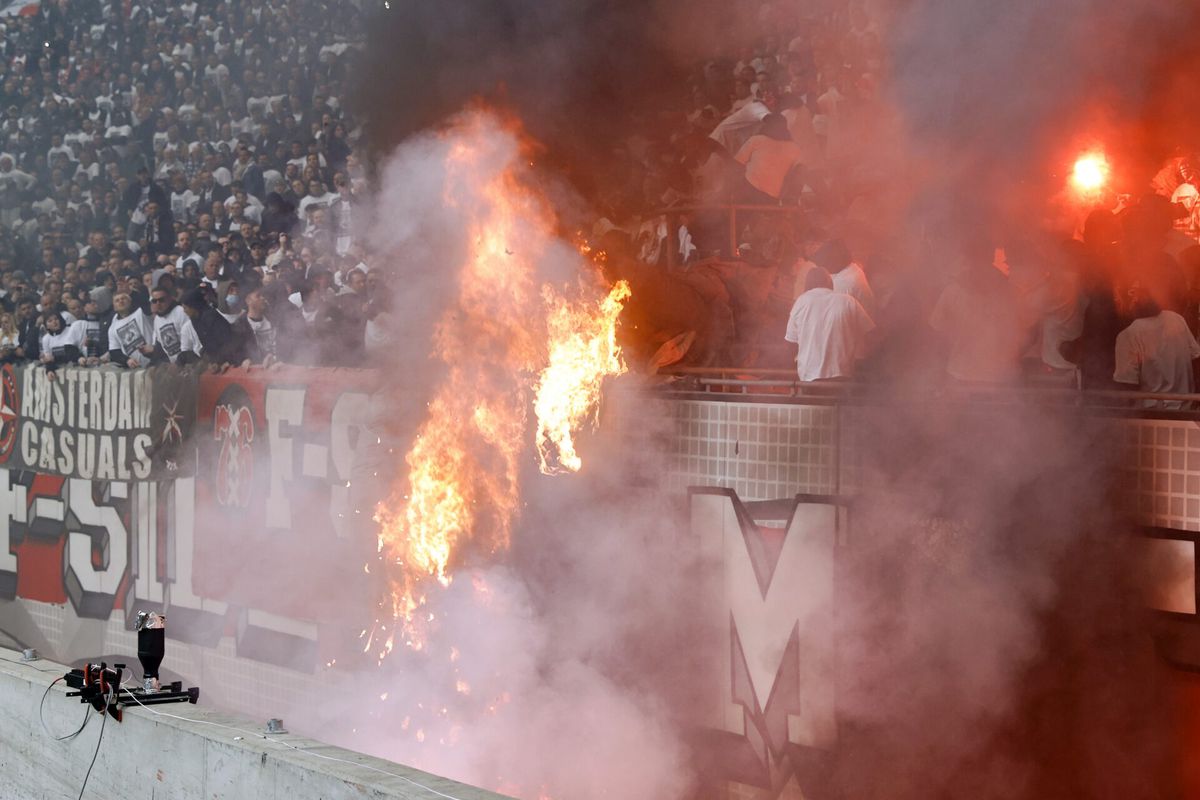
x,y
989,645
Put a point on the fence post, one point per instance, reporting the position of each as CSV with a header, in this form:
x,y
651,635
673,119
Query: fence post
x,y
733,235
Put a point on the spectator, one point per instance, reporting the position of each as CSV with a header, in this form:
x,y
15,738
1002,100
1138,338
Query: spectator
x,y
220,343
829,329
129,332
1155,353
174,339
61,344
260,325
98,315
10,338
28,330
769,156
978,316
848,277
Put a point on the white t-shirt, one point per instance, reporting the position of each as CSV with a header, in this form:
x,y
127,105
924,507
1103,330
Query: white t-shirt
x,y
176,334
1155,354
830,331
264,334
852,280
89,334
128,334
768,162
71,336
735,129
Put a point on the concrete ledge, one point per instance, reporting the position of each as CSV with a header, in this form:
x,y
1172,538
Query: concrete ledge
x,y
182,757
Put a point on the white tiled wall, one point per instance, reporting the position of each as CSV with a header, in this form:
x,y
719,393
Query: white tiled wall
x,y
761,450
768,451
1163,472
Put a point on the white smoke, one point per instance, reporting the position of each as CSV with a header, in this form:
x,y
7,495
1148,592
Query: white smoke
x,y
543,675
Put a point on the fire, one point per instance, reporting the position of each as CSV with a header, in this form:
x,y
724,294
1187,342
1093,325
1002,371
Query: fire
x,y
508,342
583,351
1090,173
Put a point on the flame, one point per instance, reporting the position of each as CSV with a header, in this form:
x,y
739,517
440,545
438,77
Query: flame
x,y
583,351
1090,173
507,341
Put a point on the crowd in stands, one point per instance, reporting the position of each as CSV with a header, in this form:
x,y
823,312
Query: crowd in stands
x,y
794,124
178,183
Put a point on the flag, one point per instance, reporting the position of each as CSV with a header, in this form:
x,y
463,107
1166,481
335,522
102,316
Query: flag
x,y
25,8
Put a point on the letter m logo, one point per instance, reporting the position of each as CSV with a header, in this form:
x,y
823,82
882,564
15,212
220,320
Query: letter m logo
x,y
775,562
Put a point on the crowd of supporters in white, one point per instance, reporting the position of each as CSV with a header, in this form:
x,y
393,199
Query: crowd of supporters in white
x,y
190,167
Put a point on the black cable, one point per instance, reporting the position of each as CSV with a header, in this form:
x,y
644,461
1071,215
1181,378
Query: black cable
x,y
41,716
99,739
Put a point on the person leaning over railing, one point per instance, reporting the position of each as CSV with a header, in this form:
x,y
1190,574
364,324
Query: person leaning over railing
x,y
174,338
219,342
62,343
129,332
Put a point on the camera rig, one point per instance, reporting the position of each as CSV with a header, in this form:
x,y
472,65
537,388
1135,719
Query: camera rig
x,y
100,684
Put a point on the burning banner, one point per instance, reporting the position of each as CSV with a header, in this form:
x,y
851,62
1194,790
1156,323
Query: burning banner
x,y
530,327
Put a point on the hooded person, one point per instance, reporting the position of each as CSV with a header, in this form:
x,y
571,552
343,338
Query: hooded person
x,y
218,339
94,325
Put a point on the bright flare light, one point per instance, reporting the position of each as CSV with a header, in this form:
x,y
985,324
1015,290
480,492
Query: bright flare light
x,y
1090,173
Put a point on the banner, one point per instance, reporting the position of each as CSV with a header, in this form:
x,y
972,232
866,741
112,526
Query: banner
x,y
287,461
105,424
116,497
24,8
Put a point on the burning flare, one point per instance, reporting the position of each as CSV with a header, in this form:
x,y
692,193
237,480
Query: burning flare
x,y
508,337
1090,173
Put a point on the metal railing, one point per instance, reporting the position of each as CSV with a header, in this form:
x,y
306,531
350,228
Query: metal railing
x,y
733,383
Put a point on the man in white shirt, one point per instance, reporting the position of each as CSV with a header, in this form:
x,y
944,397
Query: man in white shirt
x,y
829,330
848,277
11,176
317,196
183,243
174,337
129,332
1155,353
256,318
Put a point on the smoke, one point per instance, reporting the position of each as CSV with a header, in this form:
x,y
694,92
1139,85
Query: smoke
x,y
582,75
993,641
992,638
548,669
998,100
990,644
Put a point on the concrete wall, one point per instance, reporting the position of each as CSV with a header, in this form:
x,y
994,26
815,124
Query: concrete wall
x,y
186,756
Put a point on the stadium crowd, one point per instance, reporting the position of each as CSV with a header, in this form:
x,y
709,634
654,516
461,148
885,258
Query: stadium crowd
x,y
792,136
178,182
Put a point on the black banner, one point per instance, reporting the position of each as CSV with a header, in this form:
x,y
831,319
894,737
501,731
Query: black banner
x,y
98,423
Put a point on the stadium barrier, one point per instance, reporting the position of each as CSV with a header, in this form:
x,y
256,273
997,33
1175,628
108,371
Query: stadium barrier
x,y
186,494
178,751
